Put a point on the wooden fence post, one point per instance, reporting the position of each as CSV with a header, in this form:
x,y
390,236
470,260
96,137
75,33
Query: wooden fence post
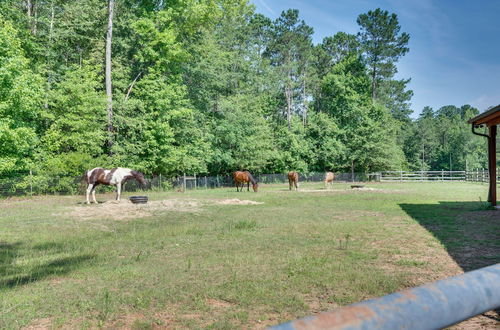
x,y
184,182
31,183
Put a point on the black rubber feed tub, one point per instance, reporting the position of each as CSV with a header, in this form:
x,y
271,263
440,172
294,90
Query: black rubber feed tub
x,y
139,199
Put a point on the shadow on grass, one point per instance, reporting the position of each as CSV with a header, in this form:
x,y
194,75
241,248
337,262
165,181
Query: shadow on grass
x,y
469,231
19,262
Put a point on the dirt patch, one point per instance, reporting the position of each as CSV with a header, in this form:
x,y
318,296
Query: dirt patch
x,y
485,321
125,210
40,324
218,303
236,201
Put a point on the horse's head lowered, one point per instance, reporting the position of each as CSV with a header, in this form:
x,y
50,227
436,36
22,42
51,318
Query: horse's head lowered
x,y
140,178
255,186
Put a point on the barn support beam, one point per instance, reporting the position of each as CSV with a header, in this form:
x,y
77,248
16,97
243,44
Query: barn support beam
x,y
492,161
432,306
492,164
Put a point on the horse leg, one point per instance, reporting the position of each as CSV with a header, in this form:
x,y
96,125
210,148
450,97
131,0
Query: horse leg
x,y
93,195
89,190
118,191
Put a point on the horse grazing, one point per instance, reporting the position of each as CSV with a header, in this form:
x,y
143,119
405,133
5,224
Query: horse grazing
x,y
242,177
293,180
329,176
114,177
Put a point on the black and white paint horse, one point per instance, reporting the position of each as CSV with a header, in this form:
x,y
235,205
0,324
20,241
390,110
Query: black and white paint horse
x,y
114,177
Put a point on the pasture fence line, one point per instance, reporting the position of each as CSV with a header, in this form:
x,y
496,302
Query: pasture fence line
x,y
476,175
31,183
28,184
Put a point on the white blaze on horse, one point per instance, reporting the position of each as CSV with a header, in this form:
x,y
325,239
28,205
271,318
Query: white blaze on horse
x,y
114,177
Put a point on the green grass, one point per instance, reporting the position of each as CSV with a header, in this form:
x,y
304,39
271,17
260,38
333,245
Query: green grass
x,y
228,266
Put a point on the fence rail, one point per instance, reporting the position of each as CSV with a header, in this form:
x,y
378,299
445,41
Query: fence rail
x,y
425,176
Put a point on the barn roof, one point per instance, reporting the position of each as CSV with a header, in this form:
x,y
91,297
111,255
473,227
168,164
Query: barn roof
x,y
490,117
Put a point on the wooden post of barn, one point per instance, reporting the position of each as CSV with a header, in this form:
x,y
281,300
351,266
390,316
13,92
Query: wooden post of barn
x,y
492,165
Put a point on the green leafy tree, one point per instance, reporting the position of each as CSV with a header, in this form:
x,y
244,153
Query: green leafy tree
x,y
290,51
382,44
20,101
368,131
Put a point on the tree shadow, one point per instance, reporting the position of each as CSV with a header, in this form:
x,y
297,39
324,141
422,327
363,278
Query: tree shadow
x,y
469,231
15,270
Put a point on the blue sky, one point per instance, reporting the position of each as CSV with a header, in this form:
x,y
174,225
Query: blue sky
x,y
454,45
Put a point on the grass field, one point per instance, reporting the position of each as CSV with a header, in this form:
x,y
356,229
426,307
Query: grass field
x,y
200,260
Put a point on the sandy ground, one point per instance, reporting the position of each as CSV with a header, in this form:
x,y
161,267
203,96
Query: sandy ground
x,y
125,209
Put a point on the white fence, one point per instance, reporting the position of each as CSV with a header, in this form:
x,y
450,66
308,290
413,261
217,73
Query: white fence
x,y
425,176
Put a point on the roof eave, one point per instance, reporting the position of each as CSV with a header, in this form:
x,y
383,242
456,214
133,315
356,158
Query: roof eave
x,y
479,119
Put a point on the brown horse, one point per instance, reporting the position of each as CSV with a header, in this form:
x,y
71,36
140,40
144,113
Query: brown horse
x,y
242,177
293,180
329,176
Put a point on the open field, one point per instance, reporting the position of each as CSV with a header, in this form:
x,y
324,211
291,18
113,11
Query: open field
x,y
211,258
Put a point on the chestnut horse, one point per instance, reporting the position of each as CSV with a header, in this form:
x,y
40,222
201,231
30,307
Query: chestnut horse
x,y
242,177
293,180
114,177
329,176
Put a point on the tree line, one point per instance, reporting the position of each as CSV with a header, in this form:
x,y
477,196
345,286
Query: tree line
x,y
209,87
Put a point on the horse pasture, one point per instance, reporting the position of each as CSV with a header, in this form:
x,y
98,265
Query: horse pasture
x,y
226,259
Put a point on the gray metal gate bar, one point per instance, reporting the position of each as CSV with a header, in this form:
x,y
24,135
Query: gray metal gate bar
x,y
431,306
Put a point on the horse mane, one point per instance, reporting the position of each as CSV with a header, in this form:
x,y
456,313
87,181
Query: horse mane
x,y
251,178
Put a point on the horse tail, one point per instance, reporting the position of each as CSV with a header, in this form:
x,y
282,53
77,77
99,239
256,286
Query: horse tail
x,y
85,177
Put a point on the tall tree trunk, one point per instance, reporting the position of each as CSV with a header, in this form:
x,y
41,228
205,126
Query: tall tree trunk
x,y
288,94
304,118
29,12
289,100
28,8
109,92
48,56
374,85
